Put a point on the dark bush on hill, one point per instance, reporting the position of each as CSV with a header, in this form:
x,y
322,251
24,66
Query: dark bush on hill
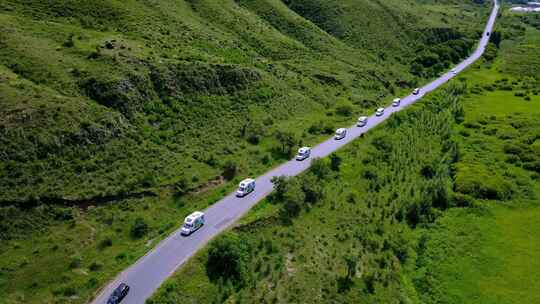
x,y
139,228
228,259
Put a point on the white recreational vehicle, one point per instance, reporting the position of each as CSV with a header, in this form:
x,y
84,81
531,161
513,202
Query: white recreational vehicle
x,y
340,133
396,102
303,153
362,121
192,223
245,187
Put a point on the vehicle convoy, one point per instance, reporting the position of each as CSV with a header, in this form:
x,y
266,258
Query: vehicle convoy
x,y
379,112
118,294
416,91
192,223
340,133
396,102
245,187
362,121
303,153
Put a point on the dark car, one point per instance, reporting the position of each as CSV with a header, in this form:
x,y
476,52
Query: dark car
x,y
118,294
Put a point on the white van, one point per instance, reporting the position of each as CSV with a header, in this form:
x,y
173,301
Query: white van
x,y
379,112
192,223
303,153
396,102
416,91
245,187
340,133
362,121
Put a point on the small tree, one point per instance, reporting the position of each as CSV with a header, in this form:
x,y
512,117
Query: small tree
x,y
344,110
228,259
287,142
293,200
335,162
229,169
312,188
139,228
319,168
351,263
181,187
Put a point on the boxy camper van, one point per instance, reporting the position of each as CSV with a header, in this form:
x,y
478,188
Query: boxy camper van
x,y
245,187
303,153
192,223
340,133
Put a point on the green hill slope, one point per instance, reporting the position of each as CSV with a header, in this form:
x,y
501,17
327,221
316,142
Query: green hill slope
x,y
183,80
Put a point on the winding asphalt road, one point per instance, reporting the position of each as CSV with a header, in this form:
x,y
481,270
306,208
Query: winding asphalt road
x,y
150,271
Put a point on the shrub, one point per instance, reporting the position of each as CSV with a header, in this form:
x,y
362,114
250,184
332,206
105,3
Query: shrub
x,y
532,166
182,186
462,200
344,110
230,169
95,266
479,183
75,263
107,242
335,162
287,141
320,168
254,138
228,258
382,143
511,148
315,129
69,42
312,188
139,228
266,159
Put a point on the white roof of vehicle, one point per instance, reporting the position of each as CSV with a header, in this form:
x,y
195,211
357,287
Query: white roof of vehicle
x,y
341,130
362,118
397,99
190,218
303,149
246,181
380,109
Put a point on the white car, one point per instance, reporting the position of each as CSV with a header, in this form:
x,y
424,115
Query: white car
x,y
362,121
192,223
416,91
396,102
245,187
340,133
379,112
454,71
303,153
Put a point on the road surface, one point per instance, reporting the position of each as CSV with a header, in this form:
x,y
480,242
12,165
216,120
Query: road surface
x,y
150,271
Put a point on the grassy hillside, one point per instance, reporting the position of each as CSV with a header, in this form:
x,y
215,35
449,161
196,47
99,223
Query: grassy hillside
x,y
117,118
184,85
440,205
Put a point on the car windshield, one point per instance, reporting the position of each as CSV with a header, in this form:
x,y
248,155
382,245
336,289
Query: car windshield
x,y
186,225
241,188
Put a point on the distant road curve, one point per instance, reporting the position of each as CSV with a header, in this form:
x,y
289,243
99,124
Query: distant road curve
x,y
150,271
